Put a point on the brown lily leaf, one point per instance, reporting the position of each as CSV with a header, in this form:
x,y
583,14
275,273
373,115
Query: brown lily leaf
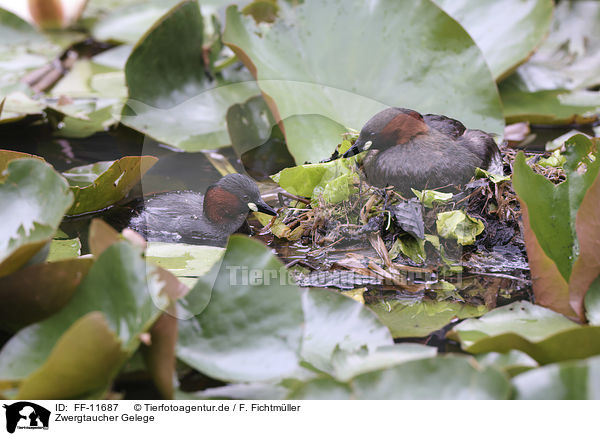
x,y
101,236
587,266
544,273
38,291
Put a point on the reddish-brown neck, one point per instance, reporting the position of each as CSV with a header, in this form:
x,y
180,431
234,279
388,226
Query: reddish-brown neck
x,y
221,206
403,128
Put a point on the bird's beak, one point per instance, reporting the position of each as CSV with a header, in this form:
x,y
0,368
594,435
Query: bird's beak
x,y
261,206
358,147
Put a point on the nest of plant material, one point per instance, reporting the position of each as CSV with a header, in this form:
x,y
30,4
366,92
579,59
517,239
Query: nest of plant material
x,y
383,241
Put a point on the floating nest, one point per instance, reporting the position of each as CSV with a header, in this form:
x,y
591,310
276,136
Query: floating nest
x,y
383,243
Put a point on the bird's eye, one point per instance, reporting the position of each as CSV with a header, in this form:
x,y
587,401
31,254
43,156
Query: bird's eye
x,y
372,134
246,198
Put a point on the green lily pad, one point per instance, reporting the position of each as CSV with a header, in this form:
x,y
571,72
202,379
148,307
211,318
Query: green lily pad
x,y
41,197
23,48
420,319
542,333
127,24
448,377
184,261
61,249
122,288
170,97
255,310
512,362
458,225
37,291
102,184
524,26
437,67
248,332
555,106
436,378
574,380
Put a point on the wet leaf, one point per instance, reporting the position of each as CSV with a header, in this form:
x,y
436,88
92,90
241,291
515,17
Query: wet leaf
x,y
41,196
409,216
419,319
341,81
575,380
35,292
120,285
524,26
331,182
102,184
545,335
170,97
85,358
428,197
458,225
592,303
494,178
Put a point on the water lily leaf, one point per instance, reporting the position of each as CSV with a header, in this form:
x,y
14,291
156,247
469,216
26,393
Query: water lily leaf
x,y
348,365
61,249
410,247
159,356
85,358
333,323
550,229
101,184
128,23
119,285
448,377
341,81
575,380
556,106
524,26
513,362
251,329
570,56
8,155
545,335
419,319
186,262
458,225
428,197
41,196
255,310
170,97
35,292
18,104
23,49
